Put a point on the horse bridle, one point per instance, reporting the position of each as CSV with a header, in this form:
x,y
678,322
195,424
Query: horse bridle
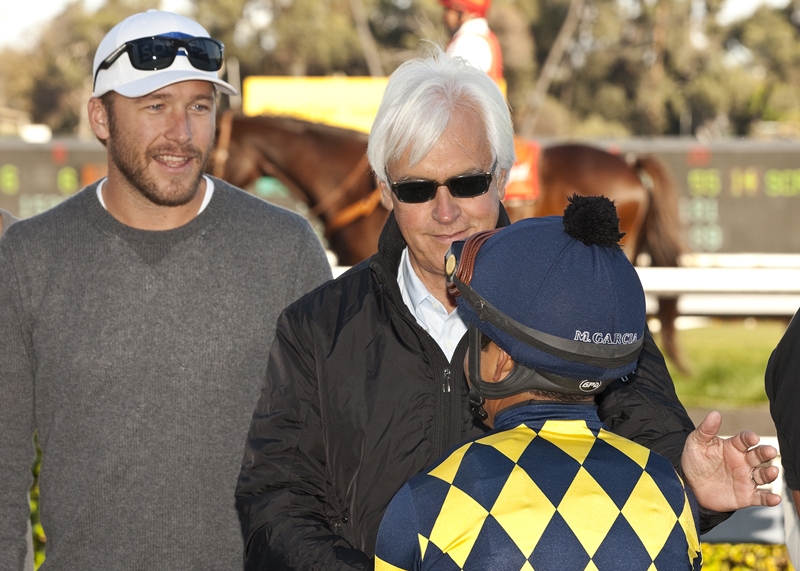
x,y
361,208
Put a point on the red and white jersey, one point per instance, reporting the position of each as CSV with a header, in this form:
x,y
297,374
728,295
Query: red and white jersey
x,y
477,44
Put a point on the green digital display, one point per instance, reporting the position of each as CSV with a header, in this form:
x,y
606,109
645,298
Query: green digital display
x,y
735,196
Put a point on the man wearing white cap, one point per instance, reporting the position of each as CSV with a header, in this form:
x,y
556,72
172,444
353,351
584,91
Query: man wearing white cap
x,y
135,322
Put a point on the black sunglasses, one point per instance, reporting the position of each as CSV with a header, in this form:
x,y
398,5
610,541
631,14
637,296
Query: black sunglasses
x,y
461,186
159,52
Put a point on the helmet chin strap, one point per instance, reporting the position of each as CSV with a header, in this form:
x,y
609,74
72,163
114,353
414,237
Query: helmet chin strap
x,y
521,379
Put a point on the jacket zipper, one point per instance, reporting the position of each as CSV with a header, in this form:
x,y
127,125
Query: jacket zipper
x,y
442,400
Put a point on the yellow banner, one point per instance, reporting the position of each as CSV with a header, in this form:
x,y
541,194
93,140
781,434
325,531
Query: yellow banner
x,y
349,102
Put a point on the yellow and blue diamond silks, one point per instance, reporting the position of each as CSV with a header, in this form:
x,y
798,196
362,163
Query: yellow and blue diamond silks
x,y
541,493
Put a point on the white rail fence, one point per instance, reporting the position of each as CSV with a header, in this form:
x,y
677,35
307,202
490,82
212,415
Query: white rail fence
x,y
758,285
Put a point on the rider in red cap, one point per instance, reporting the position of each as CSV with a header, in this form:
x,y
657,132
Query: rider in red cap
x,y
476,43
472,38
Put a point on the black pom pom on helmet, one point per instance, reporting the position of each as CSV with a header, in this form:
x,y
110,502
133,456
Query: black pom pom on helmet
x,y
593,220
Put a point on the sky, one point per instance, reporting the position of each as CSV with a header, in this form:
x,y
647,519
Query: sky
x,y
21,21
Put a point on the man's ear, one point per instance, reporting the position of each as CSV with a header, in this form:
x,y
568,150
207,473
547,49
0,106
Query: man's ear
x,y
501,184
504,366
98,118
386,196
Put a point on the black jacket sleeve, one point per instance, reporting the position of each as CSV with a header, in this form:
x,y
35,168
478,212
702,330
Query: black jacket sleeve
x,y
281,493
645,408
782,383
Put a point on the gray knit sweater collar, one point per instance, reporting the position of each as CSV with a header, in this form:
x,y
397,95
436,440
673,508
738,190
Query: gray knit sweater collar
x,y
152,245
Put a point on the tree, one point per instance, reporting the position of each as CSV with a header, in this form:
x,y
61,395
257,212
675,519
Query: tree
x,y
318,37
52,81
632,67
769,54
511,21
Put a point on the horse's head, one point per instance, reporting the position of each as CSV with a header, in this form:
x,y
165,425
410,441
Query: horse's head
x,y
323,166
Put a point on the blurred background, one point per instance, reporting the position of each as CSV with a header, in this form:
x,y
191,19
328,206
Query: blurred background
x,y
710,87
703,68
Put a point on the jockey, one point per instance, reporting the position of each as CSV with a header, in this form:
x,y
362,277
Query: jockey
x,y
471,37
475,42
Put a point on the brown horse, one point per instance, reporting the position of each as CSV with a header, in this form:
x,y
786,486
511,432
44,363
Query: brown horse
x,y
647,205
326,168
323,166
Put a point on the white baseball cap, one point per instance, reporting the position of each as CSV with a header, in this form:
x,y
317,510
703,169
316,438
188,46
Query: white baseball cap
x,y
123,78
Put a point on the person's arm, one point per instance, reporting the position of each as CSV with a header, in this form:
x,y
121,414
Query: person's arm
x,y
782,385
17,452
397,547
646,409
281,495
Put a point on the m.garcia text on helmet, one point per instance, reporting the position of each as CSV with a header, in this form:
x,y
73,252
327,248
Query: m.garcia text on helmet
x,y
606,338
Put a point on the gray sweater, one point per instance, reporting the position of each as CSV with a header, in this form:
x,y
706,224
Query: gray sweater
x,y
139,357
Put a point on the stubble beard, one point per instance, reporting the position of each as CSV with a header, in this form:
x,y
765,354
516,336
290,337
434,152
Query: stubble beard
x,y
179,190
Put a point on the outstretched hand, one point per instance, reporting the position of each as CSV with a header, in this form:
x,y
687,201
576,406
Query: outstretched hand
x,y
724,474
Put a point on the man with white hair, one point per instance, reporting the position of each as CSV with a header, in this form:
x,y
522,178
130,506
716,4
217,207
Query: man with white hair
x,y
135,323
365,386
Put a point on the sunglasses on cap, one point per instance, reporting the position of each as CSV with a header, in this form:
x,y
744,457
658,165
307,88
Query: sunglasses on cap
x,y
461,186
159,52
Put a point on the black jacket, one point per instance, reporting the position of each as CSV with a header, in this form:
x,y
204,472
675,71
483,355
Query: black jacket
x,y
358,398
781,381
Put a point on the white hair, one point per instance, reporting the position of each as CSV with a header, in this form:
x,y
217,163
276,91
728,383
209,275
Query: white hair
x,y
422,97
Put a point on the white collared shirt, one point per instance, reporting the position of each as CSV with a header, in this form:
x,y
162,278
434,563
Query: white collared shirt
x,y
446,329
